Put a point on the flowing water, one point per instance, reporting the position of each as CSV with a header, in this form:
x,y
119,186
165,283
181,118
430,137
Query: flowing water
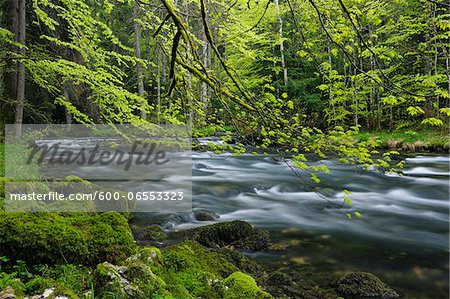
x,y
403,235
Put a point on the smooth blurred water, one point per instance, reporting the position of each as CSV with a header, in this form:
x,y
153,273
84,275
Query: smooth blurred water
x,y
403,236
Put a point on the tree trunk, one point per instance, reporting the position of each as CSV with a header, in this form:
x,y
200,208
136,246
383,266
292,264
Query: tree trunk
x,y
20,94
280,35
355,95
330,86
372,90
189,79
137,42
205,86
158,82
66,95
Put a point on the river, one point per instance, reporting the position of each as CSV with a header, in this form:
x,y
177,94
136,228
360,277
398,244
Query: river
x,y
402,237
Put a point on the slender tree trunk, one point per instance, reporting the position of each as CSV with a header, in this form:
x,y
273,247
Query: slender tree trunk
x,y
158,82
189,79
330,83
204,94
280,35
137,41
355,95
13,20
435,54
372,90
379,113
21,69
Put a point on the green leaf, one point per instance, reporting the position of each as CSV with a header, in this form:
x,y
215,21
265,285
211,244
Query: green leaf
x,y
432,122
414,110
347,200
445,111
314,178
357,214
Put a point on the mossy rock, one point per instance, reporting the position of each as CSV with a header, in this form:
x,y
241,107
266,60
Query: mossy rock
x,y
239,285
364,285
134,279
237,233
40,238
154,233
150,255
192,271
108,279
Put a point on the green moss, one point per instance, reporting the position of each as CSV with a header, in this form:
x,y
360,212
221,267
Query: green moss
x,y
150,255
72,238
190,270
240,285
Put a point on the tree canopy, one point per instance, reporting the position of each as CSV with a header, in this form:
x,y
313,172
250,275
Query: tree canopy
x,y
277,71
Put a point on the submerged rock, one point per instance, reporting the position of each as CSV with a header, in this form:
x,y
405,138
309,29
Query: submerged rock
x,y
203,215
239,234
364,285
154,233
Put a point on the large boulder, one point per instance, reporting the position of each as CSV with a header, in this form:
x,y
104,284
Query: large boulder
x,y
79,238
364,285
237,233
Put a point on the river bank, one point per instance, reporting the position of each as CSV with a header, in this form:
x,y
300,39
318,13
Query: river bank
x,y
409,140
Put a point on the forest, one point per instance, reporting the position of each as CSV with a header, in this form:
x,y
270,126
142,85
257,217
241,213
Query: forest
x,y
320,164
380,65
